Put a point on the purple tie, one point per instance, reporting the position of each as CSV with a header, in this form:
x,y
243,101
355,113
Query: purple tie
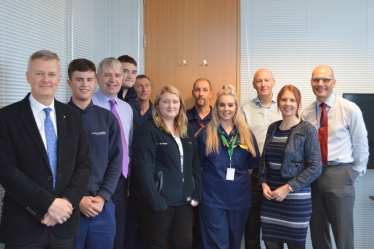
x,y
125,160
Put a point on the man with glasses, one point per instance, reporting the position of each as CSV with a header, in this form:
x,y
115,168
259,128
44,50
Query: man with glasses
x,y
344,149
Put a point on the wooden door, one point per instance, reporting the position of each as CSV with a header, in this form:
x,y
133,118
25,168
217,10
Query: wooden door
x,y
194,31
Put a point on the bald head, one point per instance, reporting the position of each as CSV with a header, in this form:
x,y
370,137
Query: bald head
x,y
262,71
323,68
263,82
323,82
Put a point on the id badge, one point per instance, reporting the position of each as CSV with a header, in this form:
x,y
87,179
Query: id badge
x,y
230,174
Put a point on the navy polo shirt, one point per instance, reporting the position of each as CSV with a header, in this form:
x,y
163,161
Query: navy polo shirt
x,y
217,192
148,114
195,121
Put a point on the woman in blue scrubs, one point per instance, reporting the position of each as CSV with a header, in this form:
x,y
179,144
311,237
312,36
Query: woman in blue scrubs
x,y
228,152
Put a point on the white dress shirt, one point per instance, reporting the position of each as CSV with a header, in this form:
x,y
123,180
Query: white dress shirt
x,y
347,135
259,117
39,115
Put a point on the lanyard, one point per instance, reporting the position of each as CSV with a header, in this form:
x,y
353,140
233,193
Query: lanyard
x,y
200,123
323,118
231,147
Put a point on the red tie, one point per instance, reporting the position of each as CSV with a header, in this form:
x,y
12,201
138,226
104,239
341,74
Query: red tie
x,y
323,133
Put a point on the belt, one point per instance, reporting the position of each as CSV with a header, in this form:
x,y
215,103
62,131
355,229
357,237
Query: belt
x,y
331,163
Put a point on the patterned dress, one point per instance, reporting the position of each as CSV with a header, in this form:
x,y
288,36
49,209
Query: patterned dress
x,y
286,221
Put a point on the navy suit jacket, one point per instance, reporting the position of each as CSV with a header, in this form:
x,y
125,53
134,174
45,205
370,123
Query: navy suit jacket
x,y
26,176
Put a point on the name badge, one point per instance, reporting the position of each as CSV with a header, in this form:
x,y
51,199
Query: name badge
x,y
230,174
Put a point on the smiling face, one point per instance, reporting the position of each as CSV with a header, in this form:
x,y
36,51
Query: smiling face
x,y
129,74
82,85
263,82
143,89
226,108
44,77
322,89
201,92
110,80
288,105
169,106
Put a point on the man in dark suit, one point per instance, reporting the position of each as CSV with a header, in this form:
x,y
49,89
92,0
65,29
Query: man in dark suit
x,y
44,163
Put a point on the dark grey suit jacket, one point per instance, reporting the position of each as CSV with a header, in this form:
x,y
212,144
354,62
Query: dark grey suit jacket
x,y
26,176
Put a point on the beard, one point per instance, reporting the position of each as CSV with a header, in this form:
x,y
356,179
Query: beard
x,y
201,102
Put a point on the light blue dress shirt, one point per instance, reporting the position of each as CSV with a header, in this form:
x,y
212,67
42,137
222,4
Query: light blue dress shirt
x,y
347,135
259,117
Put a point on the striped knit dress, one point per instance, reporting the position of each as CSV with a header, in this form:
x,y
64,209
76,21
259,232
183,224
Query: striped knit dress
x,y
286,221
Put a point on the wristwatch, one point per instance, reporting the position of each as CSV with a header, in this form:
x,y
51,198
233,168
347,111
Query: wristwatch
x,y
290,188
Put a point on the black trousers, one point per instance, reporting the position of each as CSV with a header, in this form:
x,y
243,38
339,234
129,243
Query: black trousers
x,y
48,241
120,201
174,225
253,227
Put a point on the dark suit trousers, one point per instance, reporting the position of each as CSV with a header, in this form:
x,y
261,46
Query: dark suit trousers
x,y
333,198
120,201
253,226
48,240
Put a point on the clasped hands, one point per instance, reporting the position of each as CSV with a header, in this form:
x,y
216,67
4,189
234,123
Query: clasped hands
x,y
279,194
91,206
58,213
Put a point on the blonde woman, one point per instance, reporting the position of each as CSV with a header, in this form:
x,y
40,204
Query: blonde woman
x,y
228,151
167,179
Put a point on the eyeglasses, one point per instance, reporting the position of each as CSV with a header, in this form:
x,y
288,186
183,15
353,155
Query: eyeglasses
x,y
317,80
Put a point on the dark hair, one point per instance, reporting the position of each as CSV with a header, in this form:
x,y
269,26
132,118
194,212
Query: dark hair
x,y
129,59
142,76
295,92
81,65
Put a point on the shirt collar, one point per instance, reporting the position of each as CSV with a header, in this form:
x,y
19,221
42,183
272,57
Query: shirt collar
x,y
39,107
232,133
74,105
195,115
259,104
329,101
105,98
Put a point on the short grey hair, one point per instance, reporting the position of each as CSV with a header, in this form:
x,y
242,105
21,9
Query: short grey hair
x,y
45,55
109,62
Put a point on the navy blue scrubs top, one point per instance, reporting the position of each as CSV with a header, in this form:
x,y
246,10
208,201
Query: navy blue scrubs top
x,y
217,192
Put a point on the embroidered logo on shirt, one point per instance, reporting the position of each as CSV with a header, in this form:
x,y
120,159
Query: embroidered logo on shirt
x,y
99,133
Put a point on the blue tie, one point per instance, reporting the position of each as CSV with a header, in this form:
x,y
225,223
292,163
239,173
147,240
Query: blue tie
x,y
51,139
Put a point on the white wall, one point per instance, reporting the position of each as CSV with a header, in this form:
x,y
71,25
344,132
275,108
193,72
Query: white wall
x,y
291,38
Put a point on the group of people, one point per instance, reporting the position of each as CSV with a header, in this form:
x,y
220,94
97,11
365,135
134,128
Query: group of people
x,y
111,169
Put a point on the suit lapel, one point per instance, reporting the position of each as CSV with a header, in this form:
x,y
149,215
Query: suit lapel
x,y
29,121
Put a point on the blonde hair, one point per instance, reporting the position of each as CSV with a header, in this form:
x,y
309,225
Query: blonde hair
x,y
212,140
180,121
